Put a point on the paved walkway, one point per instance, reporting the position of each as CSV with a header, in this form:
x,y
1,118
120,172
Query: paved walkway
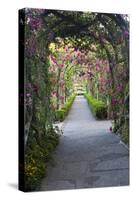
x,y
88,154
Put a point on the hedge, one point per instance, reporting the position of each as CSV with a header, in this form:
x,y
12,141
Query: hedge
x,y
62,113
98,108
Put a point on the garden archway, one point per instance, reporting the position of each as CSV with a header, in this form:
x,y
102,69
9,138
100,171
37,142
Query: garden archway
x,y
62,47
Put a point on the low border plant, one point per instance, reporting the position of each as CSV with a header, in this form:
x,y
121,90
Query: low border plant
x,y
98,108
60,114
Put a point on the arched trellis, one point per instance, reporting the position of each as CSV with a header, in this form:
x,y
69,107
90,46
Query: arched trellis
x,y
81,30
43,27
68,25
94,27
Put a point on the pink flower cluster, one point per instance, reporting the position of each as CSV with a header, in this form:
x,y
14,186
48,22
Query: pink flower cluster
x,y
53,60
62,82
54,93
35,23
61,98
114,101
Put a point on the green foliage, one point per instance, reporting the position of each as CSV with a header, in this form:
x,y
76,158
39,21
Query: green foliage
x,y
62,113
121,128
36,158
98,107
125,134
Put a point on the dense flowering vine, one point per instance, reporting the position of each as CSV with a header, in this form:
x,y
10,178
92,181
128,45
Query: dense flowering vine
x,y
65,52
101,67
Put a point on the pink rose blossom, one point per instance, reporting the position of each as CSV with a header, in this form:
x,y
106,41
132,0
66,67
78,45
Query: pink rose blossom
x,y
62,65
62,98
62,83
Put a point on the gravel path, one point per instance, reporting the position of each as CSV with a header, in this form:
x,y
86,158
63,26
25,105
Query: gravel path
x,y
88,155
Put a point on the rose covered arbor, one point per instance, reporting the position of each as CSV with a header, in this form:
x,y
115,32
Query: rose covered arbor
x,y
64,49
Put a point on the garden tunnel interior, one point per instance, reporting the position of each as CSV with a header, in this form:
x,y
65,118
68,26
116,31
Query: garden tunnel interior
x,y
92,48
105,36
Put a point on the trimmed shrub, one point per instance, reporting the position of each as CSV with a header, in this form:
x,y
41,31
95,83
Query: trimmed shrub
x,y
98,108
62,113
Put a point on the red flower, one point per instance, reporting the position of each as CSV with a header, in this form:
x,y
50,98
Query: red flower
x,y
62,98
62,65
53,59
54,93
78,54
62,83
